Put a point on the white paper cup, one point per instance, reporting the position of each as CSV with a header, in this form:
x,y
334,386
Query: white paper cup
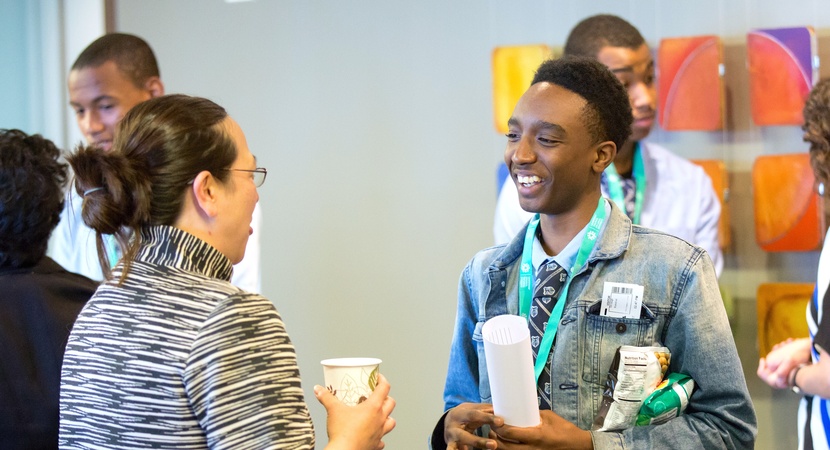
x,y
351,380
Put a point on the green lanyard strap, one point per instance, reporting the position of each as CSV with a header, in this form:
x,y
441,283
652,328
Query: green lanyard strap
x,y
112,249
526,280
615,190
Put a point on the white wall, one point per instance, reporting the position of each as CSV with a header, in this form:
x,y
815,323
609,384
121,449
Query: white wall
x,y
82,23
39,40
13,84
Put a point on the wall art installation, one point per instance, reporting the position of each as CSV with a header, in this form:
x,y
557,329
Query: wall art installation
x,y
789,214
781,313
513,69
782,67
716,170
690,83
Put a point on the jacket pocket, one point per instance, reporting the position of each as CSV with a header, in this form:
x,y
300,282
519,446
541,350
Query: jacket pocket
x,y
603,335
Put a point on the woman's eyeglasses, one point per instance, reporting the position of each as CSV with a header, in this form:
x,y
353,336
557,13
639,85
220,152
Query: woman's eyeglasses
x,y
258,174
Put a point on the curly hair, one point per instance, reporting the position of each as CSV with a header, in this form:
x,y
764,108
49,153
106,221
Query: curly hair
x,y
817,129
131,54
31,196
607,113
590,35
160,146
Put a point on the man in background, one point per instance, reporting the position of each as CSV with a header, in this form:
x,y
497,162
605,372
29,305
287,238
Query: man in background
x,y
39,299
655,187
114,73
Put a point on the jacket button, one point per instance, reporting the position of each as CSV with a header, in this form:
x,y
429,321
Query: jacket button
x,y
621,328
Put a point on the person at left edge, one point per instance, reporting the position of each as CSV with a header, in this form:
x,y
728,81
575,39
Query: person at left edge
x,y
39,299
113,74
563,133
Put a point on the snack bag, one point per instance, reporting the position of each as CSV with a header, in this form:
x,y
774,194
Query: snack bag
x,y
634,374
668,401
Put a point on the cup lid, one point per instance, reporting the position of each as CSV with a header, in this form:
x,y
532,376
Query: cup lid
x,y
350,362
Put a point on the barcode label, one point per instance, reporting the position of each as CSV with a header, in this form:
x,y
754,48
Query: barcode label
x,y
622,290
623,300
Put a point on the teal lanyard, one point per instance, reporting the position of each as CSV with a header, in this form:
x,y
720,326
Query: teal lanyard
x,y
615,190
112,249
526,279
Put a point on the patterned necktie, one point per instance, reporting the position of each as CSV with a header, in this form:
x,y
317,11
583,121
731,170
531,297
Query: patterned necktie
x,y
550,277
629,187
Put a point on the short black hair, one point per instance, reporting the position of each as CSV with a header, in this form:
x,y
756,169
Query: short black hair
x,y
590,35
31,196
131,54
608,112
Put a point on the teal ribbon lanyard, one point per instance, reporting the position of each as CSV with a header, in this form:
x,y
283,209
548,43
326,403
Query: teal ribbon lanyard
x,y
526,280
615,184
112,249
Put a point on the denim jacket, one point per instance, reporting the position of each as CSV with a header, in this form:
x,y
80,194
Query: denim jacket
x,y
682,310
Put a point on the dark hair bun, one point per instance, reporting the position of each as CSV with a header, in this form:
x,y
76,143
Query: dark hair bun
x,y
115,193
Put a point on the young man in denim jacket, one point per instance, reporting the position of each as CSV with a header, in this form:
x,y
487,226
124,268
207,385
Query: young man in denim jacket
x,y
564,132
670,193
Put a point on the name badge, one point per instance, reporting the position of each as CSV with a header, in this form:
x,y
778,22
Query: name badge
x,y
621,300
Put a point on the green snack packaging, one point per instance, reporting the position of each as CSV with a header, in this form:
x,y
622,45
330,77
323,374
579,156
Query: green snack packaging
x,y
668,401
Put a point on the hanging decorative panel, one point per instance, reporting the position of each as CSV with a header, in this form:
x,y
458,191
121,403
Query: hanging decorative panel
x,y
781,313
716,170
782,70
789,214
690,83
513,70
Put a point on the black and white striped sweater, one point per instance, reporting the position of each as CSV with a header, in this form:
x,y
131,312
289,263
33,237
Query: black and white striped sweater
x,y
178,358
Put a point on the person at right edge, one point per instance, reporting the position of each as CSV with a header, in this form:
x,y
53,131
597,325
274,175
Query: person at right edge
x,y
564,132
659,189
803,365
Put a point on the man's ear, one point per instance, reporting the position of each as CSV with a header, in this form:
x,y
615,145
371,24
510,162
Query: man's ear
x,y
154,86
205,191
606,152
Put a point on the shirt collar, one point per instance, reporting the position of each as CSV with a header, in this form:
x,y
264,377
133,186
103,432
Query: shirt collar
x,y
171,246
567,256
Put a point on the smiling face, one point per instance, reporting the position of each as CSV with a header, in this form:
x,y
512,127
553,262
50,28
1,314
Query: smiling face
x,y
635,70
239,197
551,155
100,97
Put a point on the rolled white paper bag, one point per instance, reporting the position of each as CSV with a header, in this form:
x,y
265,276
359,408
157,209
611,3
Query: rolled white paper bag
x,y
510,368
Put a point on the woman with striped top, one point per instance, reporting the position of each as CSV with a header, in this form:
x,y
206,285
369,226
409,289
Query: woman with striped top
x,y
167,353
803,365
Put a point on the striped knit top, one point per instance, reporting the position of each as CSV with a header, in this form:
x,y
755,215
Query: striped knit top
x,y
178,358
